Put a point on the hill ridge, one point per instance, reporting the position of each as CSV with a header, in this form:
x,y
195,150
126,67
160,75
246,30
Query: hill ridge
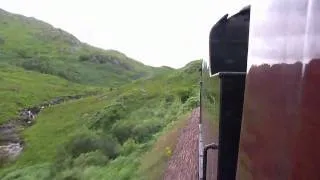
x,y
39,46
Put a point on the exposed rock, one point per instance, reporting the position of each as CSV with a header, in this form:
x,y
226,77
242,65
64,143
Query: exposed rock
x,y
99,58
47,32
74,49
114,61
8,133
102,59
11,144
14,149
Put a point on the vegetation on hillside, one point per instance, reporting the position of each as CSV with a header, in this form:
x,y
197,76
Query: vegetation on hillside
x,y
38,46
20,88
107,135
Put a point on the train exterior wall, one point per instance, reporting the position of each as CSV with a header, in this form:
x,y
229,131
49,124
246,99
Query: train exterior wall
x,y
280,135
209,117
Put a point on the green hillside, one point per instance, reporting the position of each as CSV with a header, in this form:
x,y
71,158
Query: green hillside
x,y
20,88
38,46
105,136
107,132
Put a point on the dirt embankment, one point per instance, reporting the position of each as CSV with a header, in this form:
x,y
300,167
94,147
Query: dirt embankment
x,y
183,164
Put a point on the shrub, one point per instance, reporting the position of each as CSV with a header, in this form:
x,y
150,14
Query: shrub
x,y
169,98
21,53
184,94
85,143
109,146
128,147
70,174
105,118
96,158
3,159
84,58
82,143
62,161
37,65
142,132
191,103
84,149
122,130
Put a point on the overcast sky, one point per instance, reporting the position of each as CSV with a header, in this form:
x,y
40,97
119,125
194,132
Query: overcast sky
x,y
155,32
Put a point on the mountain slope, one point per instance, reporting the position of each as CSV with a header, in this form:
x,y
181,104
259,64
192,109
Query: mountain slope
x,y
20,88
105,136
104,133
38,46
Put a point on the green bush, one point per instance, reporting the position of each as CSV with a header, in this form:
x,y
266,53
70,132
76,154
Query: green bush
x,y
82,143
84,58
70,174
96,158
108,116
85,143
22,53
122,130
62,161
169,98
109,146
38,172
128,147
37,65
191,103
144,131
184,94
84,150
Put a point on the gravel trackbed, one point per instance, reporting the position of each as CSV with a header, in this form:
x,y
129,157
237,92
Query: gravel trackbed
x,y
183,164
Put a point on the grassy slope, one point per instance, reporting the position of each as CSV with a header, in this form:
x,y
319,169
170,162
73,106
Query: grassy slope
x,y
38,46
134,115
55,125
20,89
149,106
